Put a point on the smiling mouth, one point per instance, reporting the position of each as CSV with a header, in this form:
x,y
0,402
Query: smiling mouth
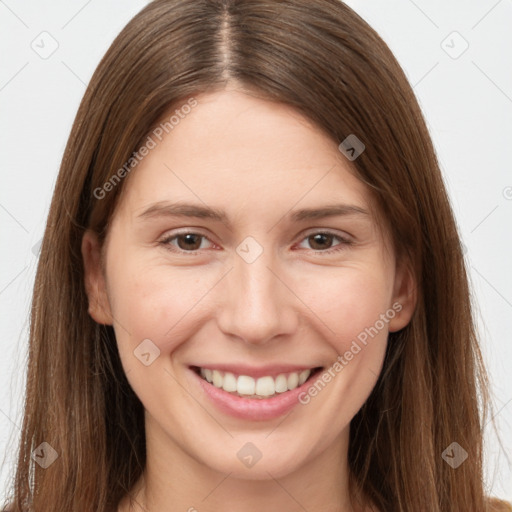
x,y
246,386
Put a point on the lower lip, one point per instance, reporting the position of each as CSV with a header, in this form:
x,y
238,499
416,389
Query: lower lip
x,y
254,409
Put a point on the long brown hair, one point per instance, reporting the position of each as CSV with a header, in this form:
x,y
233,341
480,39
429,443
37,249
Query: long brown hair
x,y
321,58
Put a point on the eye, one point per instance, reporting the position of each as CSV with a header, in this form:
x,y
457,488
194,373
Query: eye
x,y
321,241
190,242
186,241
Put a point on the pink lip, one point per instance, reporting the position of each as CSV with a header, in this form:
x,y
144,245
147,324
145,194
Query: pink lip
x,y
253,409
254,371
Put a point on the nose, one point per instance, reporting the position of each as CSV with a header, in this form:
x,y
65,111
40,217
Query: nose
x,y
256,306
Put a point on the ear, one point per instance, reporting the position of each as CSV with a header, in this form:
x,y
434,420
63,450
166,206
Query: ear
x,y
404,297
95,286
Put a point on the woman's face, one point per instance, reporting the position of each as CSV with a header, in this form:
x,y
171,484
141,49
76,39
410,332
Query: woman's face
x,y
216,259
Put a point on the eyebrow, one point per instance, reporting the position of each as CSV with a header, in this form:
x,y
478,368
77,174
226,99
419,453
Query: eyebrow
x,y
181,209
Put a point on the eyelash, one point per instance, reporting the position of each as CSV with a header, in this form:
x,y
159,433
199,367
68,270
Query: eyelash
x,y
344,242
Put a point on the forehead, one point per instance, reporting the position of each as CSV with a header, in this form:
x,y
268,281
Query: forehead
x,y
236,150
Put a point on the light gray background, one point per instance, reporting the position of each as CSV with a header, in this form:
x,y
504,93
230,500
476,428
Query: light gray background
x,y
466,98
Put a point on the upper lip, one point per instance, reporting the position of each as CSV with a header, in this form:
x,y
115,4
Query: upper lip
x,y
256,371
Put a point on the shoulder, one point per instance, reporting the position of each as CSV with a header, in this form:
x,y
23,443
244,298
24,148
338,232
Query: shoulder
x,y
497,505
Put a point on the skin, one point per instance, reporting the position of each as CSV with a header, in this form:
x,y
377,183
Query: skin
x,y
299,302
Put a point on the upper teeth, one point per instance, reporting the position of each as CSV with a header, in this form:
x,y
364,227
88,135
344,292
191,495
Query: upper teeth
x,y
261,387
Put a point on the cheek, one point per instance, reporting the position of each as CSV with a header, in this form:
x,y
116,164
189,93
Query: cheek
x,y
155,303
349,302
354,312
156,310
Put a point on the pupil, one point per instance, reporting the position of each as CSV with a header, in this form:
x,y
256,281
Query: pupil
x,y
189,241
323,236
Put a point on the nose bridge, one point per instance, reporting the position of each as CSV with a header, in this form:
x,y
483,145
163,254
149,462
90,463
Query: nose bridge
x,y
256,306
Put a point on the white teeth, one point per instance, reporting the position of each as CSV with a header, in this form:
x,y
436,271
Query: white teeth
x,y
230,382
281,383
293,380
249,387
265,386
207,374
245,385
303,375
217,379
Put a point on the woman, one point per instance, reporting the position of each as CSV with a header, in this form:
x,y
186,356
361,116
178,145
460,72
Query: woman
x,y
258,369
